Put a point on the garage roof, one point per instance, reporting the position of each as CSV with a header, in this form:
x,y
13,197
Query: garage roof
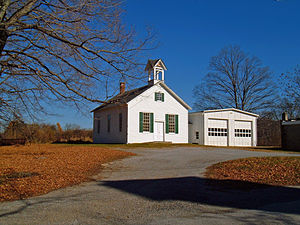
x,y
228,109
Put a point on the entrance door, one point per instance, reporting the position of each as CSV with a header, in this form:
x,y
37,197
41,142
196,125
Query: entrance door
x,y
158,131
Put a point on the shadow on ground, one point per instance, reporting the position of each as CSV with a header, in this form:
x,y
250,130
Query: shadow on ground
x,y
225,193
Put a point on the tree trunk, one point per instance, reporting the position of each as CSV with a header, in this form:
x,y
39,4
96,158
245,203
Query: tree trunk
x,y
3,37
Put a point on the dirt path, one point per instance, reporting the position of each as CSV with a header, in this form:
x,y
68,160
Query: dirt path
x,y
160,186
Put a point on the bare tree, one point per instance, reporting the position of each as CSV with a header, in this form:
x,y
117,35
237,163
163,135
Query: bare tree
x,y
63,51
235,80
290,102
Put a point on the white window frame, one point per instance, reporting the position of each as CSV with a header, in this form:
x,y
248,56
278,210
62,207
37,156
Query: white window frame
x,y
172,126
217,132
159,96
242,133
146,121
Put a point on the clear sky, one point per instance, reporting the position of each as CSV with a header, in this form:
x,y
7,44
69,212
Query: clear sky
x,y
192,31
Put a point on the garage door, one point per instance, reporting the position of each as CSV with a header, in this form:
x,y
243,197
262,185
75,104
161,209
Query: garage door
x,y
217,132
242,133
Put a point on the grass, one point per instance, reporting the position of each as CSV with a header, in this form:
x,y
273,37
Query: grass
x,y
151,145
263,170
27,171
264,149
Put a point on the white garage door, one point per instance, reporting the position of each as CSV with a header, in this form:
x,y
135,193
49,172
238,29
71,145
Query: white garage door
x,y
217,132
242,133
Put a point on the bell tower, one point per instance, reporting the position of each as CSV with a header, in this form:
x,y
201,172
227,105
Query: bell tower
x,y
156,69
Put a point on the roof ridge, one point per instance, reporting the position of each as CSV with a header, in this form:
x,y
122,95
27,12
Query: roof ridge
x,y
124,97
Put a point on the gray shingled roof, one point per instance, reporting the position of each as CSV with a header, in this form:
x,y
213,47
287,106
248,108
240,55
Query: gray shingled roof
x,y
123,98
153,61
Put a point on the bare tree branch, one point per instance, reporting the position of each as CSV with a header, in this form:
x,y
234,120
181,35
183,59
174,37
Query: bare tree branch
x,y
71,51
235,80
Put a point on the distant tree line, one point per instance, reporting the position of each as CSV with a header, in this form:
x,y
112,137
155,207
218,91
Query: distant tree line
x,y
45,133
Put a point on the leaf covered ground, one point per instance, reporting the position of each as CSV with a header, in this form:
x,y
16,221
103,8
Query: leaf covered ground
x,y
262,170
32,170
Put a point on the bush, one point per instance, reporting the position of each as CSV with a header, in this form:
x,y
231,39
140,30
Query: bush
x,y
45,133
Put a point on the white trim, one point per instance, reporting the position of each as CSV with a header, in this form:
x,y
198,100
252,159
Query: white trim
x,y
170,92
227,109
290,122
163,65
174,95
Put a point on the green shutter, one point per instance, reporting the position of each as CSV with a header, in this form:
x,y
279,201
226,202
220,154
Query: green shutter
x,y
167,123
162,97
141,122
151,122
176,124
155,94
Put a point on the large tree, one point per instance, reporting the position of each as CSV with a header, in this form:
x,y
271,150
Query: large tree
x,y
69,51
290,102
237,80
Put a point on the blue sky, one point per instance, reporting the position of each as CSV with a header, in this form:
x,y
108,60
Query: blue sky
x,y
192,31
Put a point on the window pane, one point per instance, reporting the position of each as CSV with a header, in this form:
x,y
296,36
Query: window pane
x,y
98,126
108,123
158,96
146,121
171,123
120,122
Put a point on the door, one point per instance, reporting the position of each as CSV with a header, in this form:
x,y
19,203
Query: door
x,y
217,132
158,131
242,133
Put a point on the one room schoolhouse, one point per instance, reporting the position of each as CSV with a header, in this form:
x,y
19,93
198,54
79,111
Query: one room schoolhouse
x,y
147,114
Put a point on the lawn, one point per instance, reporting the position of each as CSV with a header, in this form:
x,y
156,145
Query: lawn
x,y
148,145
32,170
263,170
155,145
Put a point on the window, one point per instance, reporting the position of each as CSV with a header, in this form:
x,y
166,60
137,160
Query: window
x,y
108,123
242,132
120,122
213,131
98,126
146,122
158,96
197,135
171,123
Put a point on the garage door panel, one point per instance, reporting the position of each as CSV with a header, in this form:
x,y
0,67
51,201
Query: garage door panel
x,y
242,133
217,132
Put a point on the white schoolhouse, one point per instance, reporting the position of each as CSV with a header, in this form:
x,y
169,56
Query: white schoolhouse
x,y
146,114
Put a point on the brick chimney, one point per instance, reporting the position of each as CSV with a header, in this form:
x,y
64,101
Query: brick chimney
x,y
122,87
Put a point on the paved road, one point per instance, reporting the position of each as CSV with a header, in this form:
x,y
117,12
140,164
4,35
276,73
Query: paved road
x,y
160,186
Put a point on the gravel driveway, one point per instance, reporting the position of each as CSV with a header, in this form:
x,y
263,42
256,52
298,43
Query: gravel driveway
x,y
160,186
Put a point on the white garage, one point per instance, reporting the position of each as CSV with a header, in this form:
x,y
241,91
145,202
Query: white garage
x,y
223,127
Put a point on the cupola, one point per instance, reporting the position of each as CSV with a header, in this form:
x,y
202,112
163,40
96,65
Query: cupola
x,y
155,70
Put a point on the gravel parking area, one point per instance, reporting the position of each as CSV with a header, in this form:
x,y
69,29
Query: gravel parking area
x,y
160,186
